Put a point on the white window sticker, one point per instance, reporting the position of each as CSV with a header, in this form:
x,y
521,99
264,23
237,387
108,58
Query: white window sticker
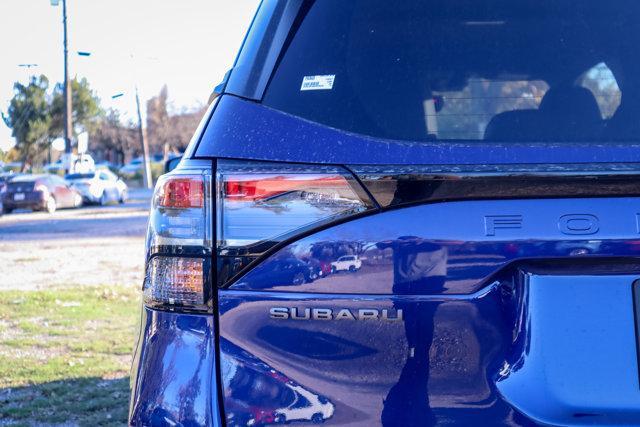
x,y
318,82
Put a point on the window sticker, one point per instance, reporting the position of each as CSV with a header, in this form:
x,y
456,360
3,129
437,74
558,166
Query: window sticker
x,y
318,82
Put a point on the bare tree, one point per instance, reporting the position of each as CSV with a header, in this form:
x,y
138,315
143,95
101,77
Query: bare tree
x,y
158,125
113,140
170,132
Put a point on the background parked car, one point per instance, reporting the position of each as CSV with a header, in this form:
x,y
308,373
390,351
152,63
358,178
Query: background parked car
x,y
101,186
289,271
14,167
39,192
4,178
136,165
108,165
54,167
132,167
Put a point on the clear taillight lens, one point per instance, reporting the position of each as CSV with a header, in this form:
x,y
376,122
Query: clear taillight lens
x,y
261,204
179,243
175,280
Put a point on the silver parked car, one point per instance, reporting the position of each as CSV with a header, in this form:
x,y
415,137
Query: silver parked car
x,y
101,186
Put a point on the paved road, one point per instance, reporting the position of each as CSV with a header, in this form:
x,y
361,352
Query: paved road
x,y
92,245
127,220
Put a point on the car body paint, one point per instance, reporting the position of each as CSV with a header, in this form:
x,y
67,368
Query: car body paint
x,y
466,352
458,246
173,376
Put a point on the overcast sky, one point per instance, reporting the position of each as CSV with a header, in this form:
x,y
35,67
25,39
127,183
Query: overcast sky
x,y
187,44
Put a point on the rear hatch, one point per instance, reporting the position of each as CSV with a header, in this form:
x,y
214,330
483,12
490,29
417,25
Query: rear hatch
x,y
428,213
20,186
472,300
20,192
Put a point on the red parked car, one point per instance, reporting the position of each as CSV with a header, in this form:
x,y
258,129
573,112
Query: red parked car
x,y
39,193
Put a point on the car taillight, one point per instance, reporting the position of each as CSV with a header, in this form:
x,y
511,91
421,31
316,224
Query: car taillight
x,y
179,243
260,204
257,206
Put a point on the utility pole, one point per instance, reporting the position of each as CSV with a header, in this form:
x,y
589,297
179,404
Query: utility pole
x,y
145,147
68,108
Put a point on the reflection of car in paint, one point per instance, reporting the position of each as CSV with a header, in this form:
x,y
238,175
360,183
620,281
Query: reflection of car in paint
x,y
261,417
306,406
346,263
325,267
290,271
315,269
279,399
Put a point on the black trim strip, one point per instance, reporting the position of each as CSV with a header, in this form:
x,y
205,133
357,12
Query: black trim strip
x,y
394,186
635,295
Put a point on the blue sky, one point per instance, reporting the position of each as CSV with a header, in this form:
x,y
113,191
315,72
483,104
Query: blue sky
x,y
187,44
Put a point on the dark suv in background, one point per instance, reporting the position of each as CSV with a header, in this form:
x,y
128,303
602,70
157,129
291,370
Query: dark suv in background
x,y
480,159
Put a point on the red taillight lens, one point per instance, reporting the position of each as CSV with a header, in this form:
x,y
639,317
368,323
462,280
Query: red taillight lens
x,y
179,192
179,214
247,187
261,204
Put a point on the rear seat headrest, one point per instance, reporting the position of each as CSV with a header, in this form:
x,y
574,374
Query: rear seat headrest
x,y
566,113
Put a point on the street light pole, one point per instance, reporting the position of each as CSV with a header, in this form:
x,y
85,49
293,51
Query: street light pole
x,y
68,108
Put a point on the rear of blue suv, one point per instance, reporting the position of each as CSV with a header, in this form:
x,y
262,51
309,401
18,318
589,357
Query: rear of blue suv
x,y
404,214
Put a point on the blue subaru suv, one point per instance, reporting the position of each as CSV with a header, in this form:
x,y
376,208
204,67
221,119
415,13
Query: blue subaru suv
x,y
404,213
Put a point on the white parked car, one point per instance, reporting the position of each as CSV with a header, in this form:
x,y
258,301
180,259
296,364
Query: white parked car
x,y
306,406
346,263
101,186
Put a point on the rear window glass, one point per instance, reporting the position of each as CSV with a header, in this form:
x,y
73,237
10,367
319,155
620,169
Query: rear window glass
x,y
73,176
21,185
496,70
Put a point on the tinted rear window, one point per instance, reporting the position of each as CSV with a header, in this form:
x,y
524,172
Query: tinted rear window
x,y
20,186
497,70
73,176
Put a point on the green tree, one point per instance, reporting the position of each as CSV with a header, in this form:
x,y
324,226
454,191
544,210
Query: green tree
x,y
29,118
86,107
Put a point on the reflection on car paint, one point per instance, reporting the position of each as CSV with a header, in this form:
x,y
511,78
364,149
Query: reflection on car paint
x,y
465,350
173,379
275,398
440,345
448,241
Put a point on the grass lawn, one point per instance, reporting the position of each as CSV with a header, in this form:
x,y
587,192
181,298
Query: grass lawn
x,y
65,355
